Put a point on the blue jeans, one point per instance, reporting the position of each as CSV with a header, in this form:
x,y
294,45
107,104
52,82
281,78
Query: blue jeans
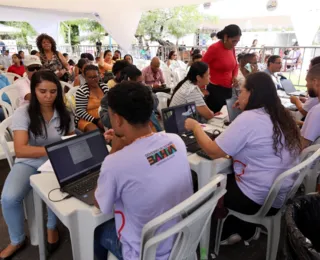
x,y
16,187
106,239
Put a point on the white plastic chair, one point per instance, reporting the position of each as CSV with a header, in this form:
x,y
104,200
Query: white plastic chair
x,y
273,223
195,212
11,76
8,149
163,99
310,181
70,96
13,95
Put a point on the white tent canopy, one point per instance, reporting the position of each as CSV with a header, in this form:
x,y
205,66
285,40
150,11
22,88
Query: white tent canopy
x,y
120,18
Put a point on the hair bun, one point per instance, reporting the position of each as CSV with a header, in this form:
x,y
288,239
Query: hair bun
x,y
220,34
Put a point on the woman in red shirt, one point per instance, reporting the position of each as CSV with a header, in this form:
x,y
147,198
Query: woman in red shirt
x,y
17,66
223,66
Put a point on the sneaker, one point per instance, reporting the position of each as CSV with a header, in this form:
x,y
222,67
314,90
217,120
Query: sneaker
x,y
233,239
255,236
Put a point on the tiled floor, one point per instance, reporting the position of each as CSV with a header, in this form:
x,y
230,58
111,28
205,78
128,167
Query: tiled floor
x,y
255,251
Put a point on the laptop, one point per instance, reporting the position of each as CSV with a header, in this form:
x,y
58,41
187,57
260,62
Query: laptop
x,y
290,89
173,121
76,162
233,112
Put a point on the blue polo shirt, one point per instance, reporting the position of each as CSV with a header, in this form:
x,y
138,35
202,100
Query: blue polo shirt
x,y
21,121
3,83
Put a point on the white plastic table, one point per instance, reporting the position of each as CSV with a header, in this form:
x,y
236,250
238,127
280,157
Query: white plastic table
x,y
80,218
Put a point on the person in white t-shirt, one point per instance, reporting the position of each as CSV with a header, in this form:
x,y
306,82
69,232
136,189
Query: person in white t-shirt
x,y
311,130
145,175
264,142
304,105
32,64
188,90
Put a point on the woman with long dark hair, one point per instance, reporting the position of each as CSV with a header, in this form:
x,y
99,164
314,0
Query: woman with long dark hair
x,y
221,58
17,65
188,90
264,141
50,58
36,125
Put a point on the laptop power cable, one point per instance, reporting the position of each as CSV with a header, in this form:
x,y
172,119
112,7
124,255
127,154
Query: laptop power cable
x,y
64,198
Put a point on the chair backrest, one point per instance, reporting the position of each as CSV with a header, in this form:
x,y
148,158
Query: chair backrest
x,y
13,95
4,128
11,76
65,84
71,98
163,100
308,158
195,213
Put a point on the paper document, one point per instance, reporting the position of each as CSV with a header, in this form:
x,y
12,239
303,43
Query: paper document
x,y
46,167
224,113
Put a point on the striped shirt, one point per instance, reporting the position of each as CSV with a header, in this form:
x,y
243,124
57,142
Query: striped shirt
x,y
82,97
187,93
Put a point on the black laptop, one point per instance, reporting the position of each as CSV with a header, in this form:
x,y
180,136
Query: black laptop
x,y
233,112
76,162
173,121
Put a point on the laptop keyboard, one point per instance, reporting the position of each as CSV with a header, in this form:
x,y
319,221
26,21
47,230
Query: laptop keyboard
x,y
85,185
187,140
203,154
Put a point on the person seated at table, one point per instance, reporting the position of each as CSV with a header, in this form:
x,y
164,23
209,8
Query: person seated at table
x,y
304,105
310,130
264,142
80,79
116,70
44,121
128,58
105,62
274,66
116,55
121,185
248,64
130,73
17,66
88,98
172,59
32,64
152,75
188,90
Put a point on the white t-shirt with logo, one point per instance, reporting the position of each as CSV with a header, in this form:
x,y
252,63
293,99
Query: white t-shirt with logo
x,y
142,181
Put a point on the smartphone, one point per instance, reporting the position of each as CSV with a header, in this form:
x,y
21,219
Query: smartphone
x,y
248,67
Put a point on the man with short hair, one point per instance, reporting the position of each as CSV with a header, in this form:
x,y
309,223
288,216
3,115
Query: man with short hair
x,y
32,64
274,66
145,175
311,130
152,75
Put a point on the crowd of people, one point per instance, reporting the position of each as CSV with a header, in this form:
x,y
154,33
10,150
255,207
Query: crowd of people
x,y
117,98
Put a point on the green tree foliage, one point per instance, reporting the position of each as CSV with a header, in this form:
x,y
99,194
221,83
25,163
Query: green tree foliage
x,y
95,30
177,21
26,30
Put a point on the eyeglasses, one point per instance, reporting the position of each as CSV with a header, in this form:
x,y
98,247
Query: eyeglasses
x,y
32,69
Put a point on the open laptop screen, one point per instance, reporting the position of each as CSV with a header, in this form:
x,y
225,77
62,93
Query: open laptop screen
x,y
77,156
232,111
174,117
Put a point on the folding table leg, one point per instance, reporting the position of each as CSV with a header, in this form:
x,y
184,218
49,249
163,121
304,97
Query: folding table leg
x,y
38,204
